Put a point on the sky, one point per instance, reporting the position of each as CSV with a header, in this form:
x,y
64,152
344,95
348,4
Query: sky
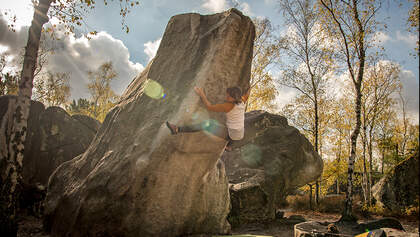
x,y
131,52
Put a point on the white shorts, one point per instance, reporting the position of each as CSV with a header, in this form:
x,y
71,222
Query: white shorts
x,y
236,134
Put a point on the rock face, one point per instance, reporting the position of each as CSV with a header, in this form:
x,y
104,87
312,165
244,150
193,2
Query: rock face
x,y
272,160
400,188
138,180
381,227
53,137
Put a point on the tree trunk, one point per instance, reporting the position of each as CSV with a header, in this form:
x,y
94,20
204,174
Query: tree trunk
x,y
316,146
338,166
310,197
316,139
348,212
370,163
12,157
383,161
364,177
317,192
338,186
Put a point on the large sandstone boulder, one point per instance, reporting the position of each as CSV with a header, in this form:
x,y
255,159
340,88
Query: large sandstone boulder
x,y
399,189
272,160
136,179
53,137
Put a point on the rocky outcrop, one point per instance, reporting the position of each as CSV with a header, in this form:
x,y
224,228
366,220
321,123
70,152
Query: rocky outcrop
x,y
382,227
399,189
136,179
53,137
272,160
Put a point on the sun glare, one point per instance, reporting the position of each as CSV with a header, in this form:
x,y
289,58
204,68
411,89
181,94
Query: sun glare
x,y
3,48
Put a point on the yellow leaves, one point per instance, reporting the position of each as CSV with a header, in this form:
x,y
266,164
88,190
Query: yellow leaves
x,y
89,2
265,54
52,89
74,19
71,15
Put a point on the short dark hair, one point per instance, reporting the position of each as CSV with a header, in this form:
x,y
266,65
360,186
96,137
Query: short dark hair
x,y
236,93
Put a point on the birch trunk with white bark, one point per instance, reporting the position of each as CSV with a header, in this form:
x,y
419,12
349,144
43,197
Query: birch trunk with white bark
x,y
15,129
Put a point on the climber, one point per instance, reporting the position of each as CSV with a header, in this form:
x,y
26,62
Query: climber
x,y
234,107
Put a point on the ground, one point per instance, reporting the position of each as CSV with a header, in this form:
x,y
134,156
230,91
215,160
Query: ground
x,y
280,229
30,226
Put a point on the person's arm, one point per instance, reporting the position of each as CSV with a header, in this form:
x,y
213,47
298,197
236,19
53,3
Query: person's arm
x,y
246,95
225,107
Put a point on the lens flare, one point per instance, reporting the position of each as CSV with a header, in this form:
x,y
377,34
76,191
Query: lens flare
x,y
199,115
154,90
212,126
251,154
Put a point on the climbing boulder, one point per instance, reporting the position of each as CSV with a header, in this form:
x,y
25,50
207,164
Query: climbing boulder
x,y
399,189
274,158
136,179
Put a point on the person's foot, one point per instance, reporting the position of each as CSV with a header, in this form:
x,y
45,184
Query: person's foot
x,y
228,148
172,128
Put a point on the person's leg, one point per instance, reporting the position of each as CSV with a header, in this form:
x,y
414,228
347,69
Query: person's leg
x,y
188,128
210,126
229,144
191,128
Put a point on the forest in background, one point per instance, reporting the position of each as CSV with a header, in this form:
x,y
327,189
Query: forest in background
x,y
345,82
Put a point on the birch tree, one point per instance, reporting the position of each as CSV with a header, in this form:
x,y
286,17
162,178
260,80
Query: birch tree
x,y
382,81
384,131
70,14
266,55
102,96
53,89
8,79
339,134
308,58
351,23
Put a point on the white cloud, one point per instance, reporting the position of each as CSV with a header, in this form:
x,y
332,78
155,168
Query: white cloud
x,y
14,41
215,5
380,38
410,91
246,9
285,96
78,55
151,47
410,39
